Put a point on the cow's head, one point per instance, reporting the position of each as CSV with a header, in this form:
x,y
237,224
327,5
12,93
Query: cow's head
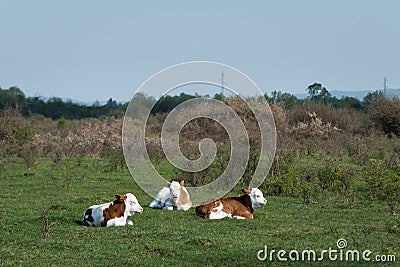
x,y
132,204
256,196
175,191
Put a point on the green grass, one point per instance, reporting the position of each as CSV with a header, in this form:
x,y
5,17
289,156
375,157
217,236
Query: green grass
x,y
165,238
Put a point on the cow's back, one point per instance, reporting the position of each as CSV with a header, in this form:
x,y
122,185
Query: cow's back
x,y
238,206
184,200
230,206
204,208
93,216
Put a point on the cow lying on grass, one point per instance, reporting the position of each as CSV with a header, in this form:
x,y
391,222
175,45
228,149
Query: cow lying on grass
x,y
113,213
173,197
232,207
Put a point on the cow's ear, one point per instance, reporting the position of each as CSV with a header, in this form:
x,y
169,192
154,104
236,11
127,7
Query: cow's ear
x,y
246,191
182,183
120,198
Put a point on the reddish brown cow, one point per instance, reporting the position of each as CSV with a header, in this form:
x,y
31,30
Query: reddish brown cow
x,y
241,207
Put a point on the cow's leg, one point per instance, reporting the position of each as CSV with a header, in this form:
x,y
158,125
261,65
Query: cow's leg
x,y
88,218
116,222
168,206
160,199
246,215
129,222
111,222
155,204
218,215
185,207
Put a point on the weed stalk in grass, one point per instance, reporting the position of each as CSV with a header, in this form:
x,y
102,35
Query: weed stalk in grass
x,y
44,214
393,211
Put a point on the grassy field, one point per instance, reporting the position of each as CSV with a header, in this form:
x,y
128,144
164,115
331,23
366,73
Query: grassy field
x,y
39,209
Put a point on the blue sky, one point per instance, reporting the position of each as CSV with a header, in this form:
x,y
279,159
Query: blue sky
x,y
94,50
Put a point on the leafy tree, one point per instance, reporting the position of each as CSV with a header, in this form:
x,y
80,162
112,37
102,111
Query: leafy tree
x,y
318,93
350,102
219,96
168,103
286,100
373,97
12,97
35,105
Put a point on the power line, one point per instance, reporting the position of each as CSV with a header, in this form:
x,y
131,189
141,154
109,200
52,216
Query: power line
x,y
384,86
222,83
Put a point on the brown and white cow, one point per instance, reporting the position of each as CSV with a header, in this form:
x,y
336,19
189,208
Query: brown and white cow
x,y
173,197
241,207
113,213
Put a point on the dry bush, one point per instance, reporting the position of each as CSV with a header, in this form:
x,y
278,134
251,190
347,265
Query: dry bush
x,y
280,117
34,137
385,113
17,135
197,129
42,124
12,131
346,119
85,138
314,127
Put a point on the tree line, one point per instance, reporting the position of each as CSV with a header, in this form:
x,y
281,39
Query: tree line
x,y
56,108
318,94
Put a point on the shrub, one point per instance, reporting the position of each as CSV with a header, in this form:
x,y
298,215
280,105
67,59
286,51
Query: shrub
x,y
383,181
62,123
23,135
346,119
10,121
385,113
17,136
307,176
116,161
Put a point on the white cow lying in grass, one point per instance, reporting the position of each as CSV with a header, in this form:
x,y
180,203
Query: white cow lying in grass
x,y
113,213
173,197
